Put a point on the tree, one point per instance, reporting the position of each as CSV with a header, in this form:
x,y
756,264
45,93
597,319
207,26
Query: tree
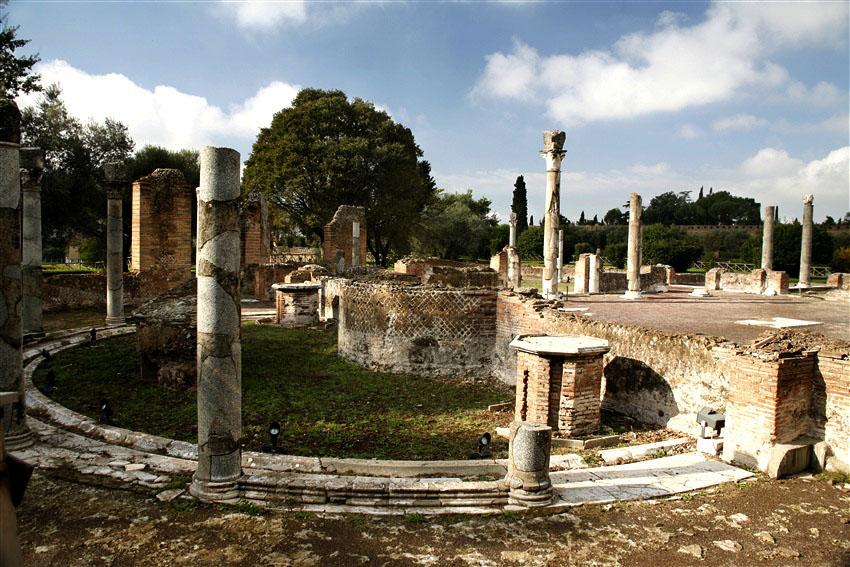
x,y
662,208
581,219
16,76
325,151
73,196
530,243
615,217
669,245
787,240
519,205
150,158
455,226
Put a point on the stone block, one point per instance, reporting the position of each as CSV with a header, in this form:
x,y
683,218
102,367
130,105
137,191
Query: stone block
x,y
789,458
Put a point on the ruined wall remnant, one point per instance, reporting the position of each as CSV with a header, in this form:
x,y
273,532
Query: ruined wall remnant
x,y
344,244
161,246
838,280
74,291
414,328
166,337
297,304
767,282
254,225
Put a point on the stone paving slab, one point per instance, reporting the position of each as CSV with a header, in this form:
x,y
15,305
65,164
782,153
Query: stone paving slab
x,y
639,451
645,479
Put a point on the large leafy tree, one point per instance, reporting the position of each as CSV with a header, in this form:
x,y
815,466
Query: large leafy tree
x,y
669,245
16,76
456,226
325,151
73,199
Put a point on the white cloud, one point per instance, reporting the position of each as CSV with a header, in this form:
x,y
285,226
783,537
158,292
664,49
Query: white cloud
x,y
670,69
740,122
689,131
838,123
265,15
163,116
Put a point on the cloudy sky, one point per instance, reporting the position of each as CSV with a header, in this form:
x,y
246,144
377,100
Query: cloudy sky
x,y
654,96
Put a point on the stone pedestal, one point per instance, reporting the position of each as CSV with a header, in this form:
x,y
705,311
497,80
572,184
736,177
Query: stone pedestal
x,y
116,177
594,274
32,168
297,305
553,152
806,245
633,262
767,239
581,279
559,382
17,434
528,479
219,348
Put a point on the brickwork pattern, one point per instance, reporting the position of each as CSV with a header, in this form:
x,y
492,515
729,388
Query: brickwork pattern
x,y
161,245
254,228
297,308
830,406
338,239
580,403
838,280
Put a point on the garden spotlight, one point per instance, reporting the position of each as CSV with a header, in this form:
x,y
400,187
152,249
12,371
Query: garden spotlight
x,y
481,447
274,433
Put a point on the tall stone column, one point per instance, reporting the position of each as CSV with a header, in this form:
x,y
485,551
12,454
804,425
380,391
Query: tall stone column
x,y
634,250
514,262
767,240
560,255
806,247
512,237
16,432
553,152
219,346
116,177
197,228
32,168
355,244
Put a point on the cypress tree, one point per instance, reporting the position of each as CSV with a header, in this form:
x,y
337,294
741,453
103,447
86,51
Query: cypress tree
x,y
520,205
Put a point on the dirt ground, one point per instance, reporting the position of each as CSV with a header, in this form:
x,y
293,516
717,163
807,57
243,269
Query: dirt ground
x,y
759,522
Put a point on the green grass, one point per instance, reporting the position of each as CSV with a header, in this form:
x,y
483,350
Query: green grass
x,y
326,406
72,319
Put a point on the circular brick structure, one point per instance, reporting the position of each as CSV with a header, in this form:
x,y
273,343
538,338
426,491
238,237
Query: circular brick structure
x,y
297,305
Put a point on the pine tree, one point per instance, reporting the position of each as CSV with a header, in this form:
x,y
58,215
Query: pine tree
x,y
700,194
519,205
531,221
581,220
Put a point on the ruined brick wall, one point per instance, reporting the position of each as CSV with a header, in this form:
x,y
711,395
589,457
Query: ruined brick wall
x,y
830,405
263,276
768,403
756,281
75,291
254,227
330,297
838,280
499,264
337,245
613,281
161,245
420,329
460,277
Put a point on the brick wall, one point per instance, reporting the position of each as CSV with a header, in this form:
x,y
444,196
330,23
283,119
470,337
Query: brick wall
x,y
338,239
161,244
254,227
830,405
413,328
757,281
499,264
768,403
296,308
838,280
61,292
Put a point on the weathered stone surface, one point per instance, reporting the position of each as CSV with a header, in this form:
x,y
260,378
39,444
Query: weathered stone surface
x,y
166,336
553,153
806,242
344,244
634,246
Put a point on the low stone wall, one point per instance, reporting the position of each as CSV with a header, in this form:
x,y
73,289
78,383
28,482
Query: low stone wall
x,y
674,278
830,404
61,292
418,329
839,280
257,280
614,281
759,281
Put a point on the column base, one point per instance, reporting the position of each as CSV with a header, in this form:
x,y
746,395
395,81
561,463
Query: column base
x,y
115,321
631,295
20,440
209,491
527,499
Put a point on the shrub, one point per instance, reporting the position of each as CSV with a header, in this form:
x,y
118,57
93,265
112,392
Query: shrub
x,y
841,260
616,254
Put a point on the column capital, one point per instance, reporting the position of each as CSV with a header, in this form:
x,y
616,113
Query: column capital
x,y
115,174
808,199
10,122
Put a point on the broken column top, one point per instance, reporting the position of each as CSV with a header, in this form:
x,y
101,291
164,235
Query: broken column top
x,y
513,218
553,140
807,199
575,344
115,172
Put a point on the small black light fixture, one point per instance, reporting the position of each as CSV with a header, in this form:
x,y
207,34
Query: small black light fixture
x,y
481,447
106,412
51,380
274,433
93,334
46,355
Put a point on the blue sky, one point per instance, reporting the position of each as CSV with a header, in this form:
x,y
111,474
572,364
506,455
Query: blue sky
x,y
653,96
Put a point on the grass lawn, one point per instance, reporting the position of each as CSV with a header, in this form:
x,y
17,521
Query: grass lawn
x,y
326,406
73,319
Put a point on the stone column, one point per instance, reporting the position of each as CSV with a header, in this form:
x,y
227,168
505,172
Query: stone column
x,y
219,354
514,262
553,152
16,432
116,177
767,240
528,479
32,167
594,274
560,255
634,251
512,238
355,244
806,248
197,229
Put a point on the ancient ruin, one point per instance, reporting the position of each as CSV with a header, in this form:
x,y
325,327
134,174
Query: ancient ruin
x,y
32,168
634,250
553,152
806,244
344,244
115,175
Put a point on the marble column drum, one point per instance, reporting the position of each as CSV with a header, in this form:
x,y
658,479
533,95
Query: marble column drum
x,y
528,481
32,168
116,178
553,152
767,239
17,434
219,348
634,251
806,244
